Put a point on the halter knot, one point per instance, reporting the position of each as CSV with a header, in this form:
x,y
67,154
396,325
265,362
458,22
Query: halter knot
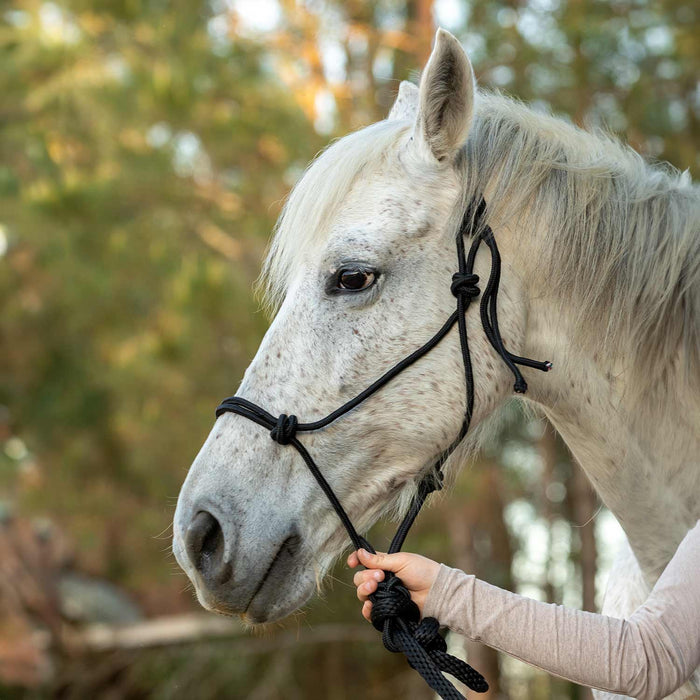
x,y
464,285
427,634
285,429
398,618
392,600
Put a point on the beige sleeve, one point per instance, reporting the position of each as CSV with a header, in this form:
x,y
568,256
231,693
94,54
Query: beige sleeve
x,y
648,655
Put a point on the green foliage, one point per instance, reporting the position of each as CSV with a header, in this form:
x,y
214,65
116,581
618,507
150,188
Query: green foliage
x,y
627,66
142,172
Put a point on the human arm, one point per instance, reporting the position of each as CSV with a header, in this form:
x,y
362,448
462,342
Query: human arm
x,y
648,655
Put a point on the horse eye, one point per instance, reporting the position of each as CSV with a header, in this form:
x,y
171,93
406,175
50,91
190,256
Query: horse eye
x,y
355,279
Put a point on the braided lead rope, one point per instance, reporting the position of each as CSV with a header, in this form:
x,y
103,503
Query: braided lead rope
x,y
393,611
397,617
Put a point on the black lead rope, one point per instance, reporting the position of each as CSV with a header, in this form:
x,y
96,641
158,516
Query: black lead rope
x,y
394,614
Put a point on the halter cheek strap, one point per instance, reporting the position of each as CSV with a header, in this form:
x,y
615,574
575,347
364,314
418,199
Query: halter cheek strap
x,y
393,611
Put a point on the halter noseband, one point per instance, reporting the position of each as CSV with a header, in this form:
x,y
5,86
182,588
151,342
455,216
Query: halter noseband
x,y
393,612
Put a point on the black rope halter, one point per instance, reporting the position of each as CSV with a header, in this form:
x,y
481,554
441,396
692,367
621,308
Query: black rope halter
x,y
393,612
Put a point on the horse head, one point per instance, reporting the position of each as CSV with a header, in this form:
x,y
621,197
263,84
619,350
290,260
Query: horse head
x,y
360,269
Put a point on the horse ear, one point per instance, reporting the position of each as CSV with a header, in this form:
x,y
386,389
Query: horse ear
x,y
406,105
446,104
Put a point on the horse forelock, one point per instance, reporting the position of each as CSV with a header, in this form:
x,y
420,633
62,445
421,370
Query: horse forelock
x,y
306,218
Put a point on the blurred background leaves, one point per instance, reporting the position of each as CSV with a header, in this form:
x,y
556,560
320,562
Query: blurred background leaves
x,y
145,150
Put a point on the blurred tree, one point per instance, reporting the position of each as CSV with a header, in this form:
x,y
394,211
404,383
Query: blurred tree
x,y
627,66
143,162
144,151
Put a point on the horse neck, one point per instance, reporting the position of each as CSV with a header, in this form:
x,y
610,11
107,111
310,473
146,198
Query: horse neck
x,y
642,456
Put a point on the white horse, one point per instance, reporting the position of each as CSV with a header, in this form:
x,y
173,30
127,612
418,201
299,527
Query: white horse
x,y
601,274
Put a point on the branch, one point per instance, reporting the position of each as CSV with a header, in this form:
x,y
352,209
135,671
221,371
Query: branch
x,y
162,631
196,627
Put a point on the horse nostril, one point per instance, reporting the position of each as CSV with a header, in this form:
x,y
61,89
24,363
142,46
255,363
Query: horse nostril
x,y
206,548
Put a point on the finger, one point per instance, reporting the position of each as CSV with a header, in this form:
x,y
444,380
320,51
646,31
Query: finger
x,y
367,611
366,590
353,561
387,562
367,575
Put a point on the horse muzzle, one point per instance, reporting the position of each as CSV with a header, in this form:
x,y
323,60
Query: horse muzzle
x,y
258,572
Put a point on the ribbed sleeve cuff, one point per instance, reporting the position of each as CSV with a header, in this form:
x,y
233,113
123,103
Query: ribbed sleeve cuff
x,y
446,597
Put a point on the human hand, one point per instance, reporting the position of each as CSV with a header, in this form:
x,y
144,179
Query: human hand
x,y
417,574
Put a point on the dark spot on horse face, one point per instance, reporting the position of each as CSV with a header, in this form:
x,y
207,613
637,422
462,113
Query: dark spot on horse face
x,y
424,229
355,331
218,435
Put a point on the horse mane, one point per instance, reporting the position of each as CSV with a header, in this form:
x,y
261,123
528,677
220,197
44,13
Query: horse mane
x,y
308,213
622,236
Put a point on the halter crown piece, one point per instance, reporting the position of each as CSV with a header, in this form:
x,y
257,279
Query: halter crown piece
x,y
394,614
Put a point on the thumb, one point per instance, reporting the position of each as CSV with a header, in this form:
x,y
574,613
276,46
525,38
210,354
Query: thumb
x,y
380,560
